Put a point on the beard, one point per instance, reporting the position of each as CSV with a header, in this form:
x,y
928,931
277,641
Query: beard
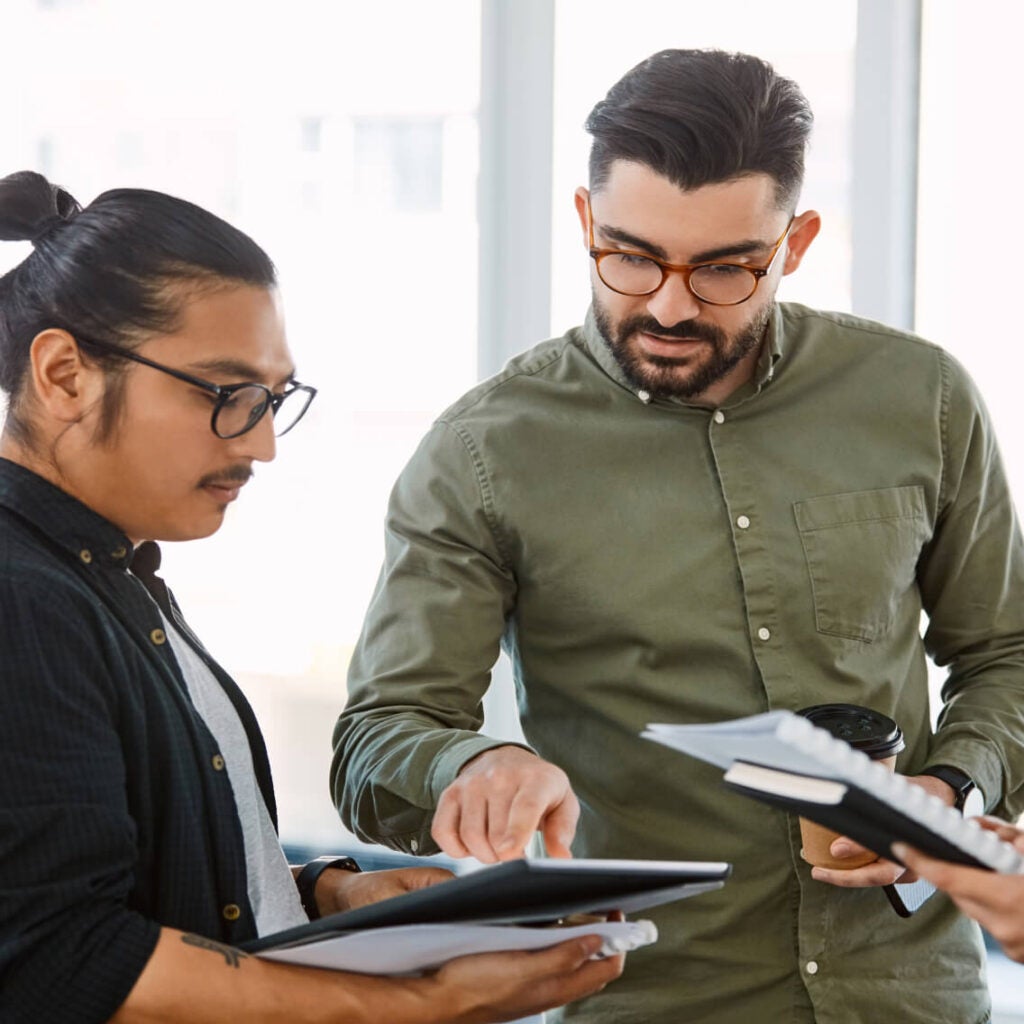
x,y
687,377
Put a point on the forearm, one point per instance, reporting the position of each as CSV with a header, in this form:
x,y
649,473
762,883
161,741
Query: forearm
x,y
981,731
422,665
191,979
971,577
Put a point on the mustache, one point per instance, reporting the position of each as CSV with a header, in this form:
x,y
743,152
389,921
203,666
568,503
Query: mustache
x,y
684,329
231,477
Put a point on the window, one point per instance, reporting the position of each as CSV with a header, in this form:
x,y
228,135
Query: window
x,y
810,42
398,163
349,152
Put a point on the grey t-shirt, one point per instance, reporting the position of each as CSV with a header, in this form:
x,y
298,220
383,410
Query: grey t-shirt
x,y
272,892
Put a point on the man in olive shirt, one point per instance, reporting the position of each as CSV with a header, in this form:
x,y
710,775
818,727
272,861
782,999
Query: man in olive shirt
x,y
700,505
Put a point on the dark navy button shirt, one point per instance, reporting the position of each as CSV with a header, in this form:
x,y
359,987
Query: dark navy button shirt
x,y
113,819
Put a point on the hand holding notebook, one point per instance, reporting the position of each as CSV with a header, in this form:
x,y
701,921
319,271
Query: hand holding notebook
x,y
782,759
505,906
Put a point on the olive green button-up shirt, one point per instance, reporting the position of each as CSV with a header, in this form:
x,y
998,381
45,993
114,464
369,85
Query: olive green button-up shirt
x,y
651,560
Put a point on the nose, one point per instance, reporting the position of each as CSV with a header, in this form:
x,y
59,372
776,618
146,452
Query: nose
x,y
673,302
258,444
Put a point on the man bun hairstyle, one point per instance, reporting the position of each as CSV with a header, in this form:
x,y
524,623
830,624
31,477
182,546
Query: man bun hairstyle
x,y
703,117
117,271
30,207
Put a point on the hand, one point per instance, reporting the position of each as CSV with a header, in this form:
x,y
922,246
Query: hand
x,y
338,890
506,986
500,798
1007,832
995,901
880,871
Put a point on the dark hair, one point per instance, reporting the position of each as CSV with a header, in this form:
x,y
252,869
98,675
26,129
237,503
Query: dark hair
x,y
702,117
107,272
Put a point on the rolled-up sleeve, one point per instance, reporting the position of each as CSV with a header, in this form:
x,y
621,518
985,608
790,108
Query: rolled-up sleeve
x,y
431,635
972,582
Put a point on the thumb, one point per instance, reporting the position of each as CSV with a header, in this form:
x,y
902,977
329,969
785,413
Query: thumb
x,y
426,877
844,846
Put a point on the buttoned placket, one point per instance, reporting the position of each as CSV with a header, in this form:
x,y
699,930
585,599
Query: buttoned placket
x,y
736,481
230,912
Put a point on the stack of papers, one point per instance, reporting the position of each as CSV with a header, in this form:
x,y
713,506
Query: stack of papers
x,y
520,904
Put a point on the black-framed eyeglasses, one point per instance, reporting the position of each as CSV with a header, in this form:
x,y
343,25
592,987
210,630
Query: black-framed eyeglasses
x,y
239,407
720,283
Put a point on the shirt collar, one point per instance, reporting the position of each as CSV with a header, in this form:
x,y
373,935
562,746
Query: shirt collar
x,y
767,364
89,538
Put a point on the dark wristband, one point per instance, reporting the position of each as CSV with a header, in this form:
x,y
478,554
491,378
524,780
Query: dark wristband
x,y
959,781
306,879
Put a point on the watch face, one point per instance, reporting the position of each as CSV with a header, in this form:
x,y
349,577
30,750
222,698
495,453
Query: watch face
x,y
974,805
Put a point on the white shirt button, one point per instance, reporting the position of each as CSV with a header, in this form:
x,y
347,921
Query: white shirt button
x,y
719,416
644,396
742,522
414,845
764,633
812,966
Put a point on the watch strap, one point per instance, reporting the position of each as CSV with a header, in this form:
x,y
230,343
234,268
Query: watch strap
x,y
958,780
306,879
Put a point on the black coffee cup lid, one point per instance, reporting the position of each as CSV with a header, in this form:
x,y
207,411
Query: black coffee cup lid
x,y
864,729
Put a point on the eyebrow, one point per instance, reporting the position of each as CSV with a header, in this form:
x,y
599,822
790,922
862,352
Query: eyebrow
x,y
744,248
237,369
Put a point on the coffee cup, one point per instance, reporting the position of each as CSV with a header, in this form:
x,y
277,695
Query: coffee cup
x,y
866,730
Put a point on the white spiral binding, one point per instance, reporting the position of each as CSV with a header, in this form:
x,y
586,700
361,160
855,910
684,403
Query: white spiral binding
x,y
903,796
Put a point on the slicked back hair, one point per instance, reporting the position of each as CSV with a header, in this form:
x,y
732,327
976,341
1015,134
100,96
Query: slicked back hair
x,y
118,271
704,117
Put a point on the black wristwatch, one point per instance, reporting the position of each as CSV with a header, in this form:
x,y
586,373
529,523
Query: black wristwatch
x,y
967,796
305,880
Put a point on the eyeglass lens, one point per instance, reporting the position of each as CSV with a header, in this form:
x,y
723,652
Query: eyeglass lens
x,y
721,283
246,406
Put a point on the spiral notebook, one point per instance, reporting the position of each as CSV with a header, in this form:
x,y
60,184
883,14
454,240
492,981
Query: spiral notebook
x,y
782,759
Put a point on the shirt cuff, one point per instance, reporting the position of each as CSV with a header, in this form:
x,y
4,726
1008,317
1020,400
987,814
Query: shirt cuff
x,y
976,758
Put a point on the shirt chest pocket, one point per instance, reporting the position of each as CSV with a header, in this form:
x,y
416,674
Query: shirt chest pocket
x,y
861,550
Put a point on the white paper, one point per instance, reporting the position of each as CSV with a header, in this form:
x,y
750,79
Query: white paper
x,y
789,742
759,739
411,948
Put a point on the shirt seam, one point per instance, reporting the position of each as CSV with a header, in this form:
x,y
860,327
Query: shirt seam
x,y
509,374
484,485
947,385
862,519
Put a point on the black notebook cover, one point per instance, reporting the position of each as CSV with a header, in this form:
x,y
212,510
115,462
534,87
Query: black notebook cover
x,y
870,821
521,891
781,758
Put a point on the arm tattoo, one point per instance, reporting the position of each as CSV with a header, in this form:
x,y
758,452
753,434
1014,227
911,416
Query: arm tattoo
x,y
231,955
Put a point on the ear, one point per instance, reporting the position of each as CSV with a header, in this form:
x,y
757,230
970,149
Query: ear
x,y
582,199
64,385
804,230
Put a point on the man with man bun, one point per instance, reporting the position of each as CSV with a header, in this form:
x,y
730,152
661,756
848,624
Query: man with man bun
x,y
144,358
699,505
